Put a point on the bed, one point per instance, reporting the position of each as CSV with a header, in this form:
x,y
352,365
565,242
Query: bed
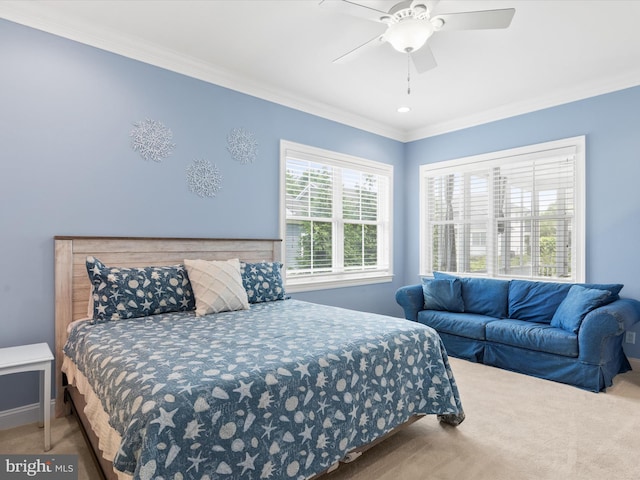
x,y
281,389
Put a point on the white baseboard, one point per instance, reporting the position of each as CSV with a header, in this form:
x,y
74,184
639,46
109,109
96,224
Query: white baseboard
x,y
23,415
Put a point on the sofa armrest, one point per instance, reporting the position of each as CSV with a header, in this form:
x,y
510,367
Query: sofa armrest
x,y
411,299
601,326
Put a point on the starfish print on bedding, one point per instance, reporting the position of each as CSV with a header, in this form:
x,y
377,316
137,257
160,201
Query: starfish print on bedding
x,y
306,434
196,461
348,355
165,419
244,390
188,388
268,429
303,369
247,463
323,404
354,412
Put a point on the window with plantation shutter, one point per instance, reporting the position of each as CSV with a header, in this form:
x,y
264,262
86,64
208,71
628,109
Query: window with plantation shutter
x,y
336,218
510,214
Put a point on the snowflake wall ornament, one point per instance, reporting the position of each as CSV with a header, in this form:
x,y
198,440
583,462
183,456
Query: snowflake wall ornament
x,y
152,140
203,178
242,145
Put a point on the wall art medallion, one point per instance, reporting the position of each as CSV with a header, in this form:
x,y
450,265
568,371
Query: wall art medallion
x,y
152,140
242,145
204,178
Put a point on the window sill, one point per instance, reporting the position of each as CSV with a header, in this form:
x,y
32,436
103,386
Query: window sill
x,y
318,283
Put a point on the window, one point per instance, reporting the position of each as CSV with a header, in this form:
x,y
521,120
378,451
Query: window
x,y
510,214
336,218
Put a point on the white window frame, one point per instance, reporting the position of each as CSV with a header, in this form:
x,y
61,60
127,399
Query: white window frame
x,y
472,163
339,278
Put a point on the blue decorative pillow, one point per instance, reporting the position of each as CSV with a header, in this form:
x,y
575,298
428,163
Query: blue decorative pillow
x,y
614,288
262,281
443,294
535,301
578,302
137,292
484,296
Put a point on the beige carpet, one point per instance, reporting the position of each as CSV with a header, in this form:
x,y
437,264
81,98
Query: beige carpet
x,y
66,438
517,428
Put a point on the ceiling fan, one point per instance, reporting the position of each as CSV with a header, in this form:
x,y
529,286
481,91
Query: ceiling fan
x,y
410,23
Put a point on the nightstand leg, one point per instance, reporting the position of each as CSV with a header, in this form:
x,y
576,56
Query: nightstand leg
x,y
41,413
46,407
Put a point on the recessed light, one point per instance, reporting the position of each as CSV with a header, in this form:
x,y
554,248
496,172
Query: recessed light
x,y
404,109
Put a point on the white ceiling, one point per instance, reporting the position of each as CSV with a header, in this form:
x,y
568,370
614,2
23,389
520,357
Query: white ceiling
x,y
555,51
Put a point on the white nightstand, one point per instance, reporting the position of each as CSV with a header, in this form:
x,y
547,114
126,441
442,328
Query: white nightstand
x,y
27,358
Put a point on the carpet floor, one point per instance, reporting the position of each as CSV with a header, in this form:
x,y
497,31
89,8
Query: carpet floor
x,y
517,428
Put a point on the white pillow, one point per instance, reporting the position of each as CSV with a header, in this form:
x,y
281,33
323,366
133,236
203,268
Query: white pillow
x,y
217,286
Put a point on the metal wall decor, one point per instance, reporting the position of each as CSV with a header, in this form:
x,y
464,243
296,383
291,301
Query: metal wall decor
x,y
152,140
204,178
242,145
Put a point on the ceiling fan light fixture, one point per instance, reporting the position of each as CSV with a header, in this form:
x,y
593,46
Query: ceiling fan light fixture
x,y
409,34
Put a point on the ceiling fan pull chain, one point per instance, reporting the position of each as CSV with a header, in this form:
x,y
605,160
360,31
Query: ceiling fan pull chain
x,y
408,73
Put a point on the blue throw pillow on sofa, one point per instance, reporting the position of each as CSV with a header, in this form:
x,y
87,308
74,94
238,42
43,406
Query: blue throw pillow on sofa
x,y
578,302
443,294
484,296
614,288
535,301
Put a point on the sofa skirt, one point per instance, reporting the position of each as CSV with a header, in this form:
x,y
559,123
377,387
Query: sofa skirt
x,y
462,347
561,369
569,370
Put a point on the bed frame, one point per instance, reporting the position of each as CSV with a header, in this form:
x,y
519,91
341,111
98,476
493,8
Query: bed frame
x,y
72,290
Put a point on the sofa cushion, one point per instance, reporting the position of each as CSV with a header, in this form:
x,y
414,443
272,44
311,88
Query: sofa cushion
x,y
443,294
468,325
575,306
484,296
533,336
535,301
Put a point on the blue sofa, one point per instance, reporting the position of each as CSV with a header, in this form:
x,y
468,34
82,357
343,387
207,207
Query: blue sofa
x,y
569,333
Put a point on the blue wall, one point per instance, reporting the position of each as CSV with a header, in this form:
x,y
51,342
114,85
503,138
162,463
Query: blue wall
x,y
611,124
66,111
67,169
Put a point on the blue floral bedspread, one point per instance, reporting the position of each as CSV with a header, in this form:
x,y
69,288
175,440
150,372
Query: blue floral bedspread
x,y
282,390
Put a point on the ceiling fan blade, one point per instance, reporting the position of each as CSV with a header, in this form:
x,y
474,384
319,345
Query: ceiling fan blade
x,y
423,59
476,20
354,9
374,42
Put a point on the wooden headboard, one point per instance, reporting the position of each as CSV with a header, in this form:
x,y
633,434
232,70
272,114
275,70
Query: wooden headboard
x,y
72,287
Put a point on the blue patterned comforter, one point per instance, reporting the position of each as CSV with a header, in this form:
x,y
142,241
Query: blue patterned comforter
x,y
282,390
